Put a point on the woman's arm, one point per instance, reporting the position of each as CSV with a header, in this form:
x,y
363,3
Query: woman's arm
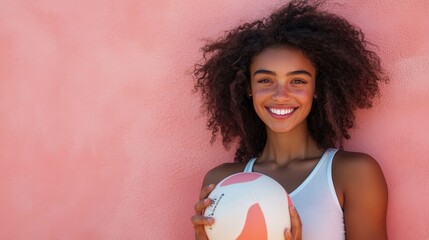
x,y
364,192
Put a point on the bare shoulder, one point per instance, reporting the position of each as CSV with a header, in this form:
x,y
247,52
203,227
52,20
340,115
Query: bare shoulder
x,y
355,159
215,175
356,166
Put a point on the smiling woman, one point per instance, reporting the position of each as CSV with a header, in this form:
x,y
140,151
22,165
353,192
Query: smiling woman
x,y
283,86
287,87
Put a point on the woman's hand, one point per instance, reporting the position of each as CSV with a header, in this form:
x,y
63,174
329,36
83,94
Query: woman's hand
x,y
198,219
295,233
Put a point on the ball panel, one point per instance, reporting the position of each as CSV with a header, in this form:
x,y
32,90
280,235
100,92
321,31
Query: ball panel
x,y
240,178
274,203
255,227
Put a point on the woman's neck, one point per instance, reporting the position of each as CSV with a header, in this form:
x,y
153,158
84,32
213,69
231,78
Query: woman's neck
x,y
283,148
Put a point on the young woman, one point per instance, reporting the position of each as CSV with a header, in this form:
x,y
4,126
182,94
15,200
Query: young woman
x,y
287,87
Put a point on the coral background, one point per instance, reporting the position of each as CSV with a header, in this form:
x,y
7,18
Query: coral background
x,y
101,136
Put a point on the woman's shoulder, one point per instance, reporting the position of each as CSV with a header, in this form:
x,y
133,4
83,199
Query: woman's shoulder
x,y
220,172
355,162
355,170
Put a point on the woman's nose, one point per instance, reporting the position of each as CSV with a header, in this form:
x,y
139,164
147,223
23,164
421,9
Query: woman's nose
x,y
281,93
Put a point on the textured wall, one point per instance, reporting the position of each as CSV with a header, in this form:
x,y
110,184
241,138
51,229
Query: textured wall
x,y
101,136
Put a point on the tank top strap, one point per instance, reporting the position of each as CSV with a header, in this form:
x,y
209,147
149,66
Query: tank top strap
x,y
249,165
329,154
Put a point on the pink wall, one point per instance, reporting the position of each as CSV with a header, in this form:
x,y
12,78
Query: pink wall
x,y
101,136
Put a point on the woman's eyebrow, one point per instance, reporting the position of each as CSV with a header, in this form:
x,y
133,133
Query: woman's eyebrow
x,y
297,72
264,71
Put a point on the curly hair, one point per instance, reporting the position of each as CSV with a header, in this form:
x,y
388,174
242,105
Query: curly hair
x,y
347,78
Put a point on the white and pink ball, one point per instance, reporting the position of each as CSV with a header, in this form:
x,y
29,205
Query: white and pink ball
x,y
248,206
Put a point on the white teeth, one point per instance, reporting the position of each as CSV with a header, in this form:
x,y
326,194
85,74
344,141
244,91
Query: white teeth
x,y
281,111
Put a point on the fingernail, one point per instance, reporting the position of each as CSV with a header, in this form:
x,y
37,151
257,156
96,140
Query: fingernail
x,y
210,220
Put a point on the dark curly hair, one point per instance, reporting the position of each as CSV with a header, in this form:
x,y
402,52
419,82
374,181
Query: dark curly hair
x,y
347,78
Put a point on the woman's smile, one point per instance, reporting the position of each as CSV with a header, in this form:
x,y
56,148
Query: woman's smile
x,y
281,112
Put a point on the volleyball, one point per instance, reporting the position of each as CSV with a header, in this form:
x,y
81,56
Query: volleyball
x,y
248,206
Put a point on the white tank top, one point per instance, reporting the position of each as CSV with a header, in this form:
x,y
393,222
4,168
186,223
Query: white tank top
x,y
316,202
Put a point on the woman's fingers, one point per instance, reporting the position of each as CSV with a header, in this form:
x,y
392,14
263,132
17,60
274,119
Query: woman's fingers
x,y
199,220
288,234
296,226
206,191
201,205
295,232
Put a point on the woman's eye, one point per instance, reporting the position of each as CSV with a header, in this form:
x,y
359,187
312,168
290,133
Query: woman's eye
x,y
298,81
264,80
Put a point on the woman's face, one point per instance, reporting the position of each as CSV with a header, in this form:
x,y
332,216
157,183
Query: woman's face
x,y
283,82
